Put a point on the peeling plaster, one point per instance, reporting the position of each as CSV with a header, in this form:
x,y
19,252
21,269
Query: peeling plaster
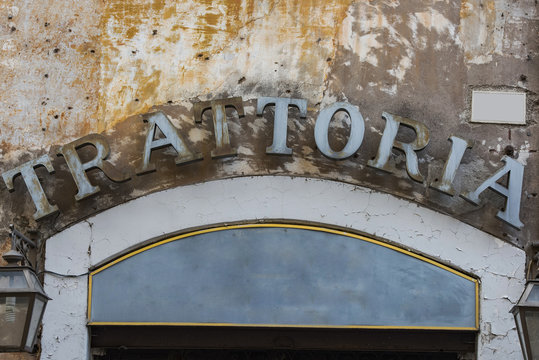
x,y
494,27
122,58
259,198
48,92
74,68
190,56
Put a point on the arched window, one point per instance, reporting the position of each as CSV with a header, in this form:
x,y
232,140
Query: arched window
x,y
277,275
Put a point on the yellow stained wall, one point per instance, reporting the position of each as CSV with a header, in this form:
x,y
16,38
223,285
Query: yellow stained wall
x,y
70,67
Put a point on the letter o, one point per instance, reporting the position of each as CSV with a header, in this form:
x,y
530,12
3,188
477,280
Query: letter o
x,y
321,130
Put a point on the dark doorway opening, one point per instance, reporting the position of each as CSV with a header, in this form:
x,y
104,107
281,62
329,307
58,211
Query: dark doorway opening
x,y
119,354
251,343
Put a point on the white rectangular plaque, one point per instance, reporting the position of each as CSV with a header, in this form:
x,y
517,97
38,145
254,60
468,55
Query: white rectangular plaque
x,y
499,107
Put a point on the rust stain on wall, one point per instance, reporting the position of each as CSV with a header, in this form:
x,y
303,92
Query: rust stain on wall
x,y
478,30
495,28
18,356
161,51
49,67
71,69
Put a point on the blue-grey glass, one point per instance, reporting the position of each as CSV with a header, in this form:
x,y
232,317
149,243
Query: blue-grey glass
x,y
13,311
534,294
521,337
13,280
532,322
282,276
34,322
35,284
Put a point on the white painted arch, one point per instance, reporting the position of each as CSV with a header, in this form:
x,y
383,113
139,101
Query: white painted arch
x,y
498,265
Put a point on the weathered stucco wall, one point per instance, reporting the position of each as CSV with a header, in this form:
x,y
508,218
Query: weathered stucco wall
x,y
49,66
118,52
499,265
71,68
93,64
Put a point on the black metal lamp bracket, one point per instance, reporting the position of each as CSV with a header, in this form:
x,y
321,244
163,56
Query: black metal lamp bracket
x,y
20,245
532,251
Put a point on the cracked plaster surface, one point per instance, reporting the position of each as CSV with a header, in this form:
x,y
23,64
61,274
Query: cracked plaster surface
x,y
70,69
445,239
237,48
119,58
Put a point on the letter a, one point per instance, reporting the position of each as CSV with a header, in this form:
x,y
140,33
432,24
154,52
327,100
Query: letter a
x,y
512,192
171,138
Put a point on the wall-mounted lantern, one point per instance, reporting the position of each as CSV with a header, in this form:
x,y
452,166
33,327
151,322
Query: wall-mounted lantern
x,y
526,312
22,298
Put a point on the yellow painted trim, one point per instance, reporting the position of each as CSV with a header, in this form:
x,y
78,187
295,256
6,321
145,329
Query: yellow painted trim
x,y
290,226
477,304
89,297
98,323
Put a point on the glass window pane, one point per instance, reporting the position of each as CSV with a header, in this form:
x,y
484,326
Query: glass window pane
x,y
281,276
519,329
532,320
35,282
534,294
12,320
12,280
34,322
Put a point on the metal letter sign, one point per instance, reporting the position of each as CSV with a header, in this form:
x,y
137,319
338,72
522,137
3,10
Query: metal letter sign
x,y
515,172
388,142
458,147
321,130
78,169
43,207
220,127
280,122
172,138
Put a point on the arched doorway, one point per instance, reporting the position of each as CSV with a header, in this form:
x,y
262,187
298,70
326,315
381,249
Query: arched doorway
x,y
116,232
277,286
195,354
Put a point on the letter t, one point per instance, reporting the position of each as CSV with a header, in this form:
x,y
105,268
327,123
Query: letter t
x,y
28,173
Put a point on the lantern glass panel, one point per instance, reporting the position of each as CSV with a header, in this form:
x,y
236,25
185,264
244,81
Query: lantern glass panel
x,y
13,310
36,285
532,320
34,322
13,280
518,320
534,294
